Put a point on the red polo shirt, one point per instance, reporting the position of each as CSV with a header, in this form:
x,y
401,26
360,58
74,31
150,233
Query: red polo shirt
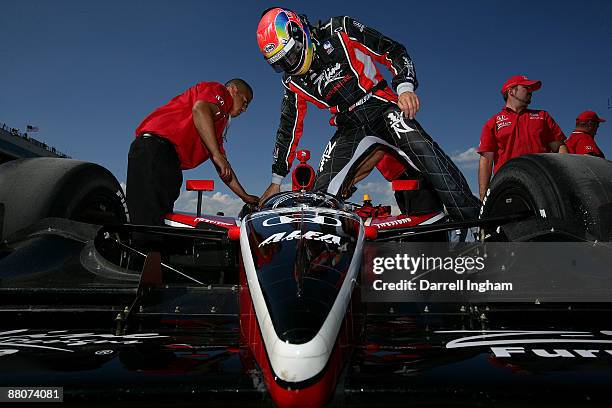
x,y
174,121
509,134
583,143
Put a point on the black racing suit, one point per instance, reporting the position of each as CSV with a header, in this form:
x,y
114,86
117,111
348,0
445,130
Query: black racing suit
x,y
344,79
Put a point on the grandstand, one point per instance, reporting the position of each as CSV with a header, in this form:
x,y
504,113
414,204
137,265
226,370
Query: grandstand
x,y
15,144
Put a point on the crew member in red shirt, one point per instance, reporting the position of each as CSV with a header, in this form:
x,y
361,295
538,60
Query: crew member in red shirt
x,y
582,139
180,135
516,130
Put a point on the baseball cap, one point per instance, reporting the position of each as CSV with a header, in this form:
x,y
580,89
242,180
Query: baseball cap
x,y
520,80
589,115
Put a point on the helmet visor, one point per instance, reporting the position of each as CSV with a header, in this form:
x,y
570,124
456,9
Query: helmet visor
x,y
289,59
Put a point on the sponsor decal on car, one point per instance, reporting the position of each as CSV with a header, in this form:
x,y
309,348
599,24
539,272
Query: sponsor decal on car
x,y
214,222
305,218
62,340
313,235
544,344
393,223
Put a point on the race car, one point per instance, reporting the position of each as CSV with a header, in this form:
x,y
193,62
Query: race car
x,y
266,309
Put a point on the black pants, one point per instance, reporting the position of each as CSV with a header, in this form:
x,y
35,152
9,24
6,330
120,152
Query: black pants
x,y
154,180
378,123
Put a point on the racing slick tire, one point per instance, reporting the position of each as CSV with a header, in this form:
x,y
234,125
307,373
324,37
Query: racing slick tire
x,y
570,195
36,188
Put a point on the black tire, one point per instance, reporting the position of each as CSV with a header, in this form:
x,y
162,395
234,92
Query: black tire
x,y
570,195
32,189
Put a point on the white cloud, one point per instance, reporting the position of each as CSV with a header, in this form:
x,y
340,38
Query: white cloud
x,y
468,159
211,204
230,205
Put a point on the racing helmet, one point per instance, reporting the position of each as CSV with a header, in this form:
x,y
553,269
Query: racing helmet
x,y
285,42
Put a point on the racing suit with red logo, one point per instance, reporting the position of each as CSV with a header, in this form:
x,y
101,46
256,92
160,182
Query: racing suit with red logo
x,y
344,79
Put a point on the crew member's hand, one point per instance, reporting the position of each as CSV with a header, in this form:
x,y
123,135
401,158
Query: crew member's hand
x,y
251,199
409,103
223,167
271,190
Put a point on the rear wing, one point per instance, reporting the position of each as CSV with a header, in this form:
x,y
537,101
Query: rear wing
x,y
199,186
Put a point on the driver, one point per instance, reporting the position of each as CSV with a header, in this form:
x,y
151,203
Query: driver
x,y
332,66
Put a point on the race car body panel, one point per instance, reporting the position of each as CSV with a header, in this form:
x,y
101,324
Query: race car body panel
x,y
412,358
192,221
274,319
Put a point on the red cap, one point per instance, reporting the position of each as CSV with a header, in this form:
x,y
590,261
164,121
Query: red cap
x,y
589,115
520,80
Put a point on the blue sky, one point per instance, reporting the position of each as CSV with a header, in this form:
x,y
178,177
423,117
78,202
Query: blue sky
x,y
87,72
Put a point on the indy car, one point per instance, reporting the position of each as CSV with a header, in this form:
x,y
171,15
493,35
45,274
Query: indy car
x,y
266,309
